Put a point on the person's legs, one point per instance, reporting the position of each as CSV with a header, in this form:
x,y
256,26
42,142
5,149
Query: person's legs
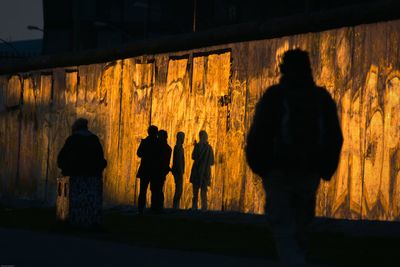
x,y
195,196
279,210
75,201
203,196
160,191
154,196
94,200
99,199
84,203
304,208
178,191
157,194
144,183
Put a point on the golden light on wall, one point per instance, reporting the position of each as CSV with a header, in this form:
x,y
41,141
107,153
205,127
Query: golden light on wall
x,y
213,89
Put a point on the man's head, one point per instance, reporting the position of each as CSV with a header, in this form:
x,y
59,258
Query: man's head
x,y
203,137
80,124
163,135
152,130
180,137
296,65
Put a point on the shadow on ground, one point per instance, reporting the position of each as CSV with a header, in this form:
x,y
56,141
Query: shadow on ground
x,y
221,233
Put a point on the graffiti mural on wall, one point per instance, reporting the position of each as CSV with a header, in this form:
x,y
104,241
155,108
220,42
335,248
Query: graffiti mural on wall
x,y
212,89
381,142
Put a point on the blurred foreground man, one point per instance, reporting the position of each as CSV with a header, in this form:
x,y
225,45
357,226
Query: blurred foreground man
x,y
294,141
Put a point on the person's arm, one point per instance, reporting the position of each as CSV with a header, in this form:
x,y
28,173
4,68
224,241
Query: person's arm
x,y
179,160
63,156
140,150
211,156
260,136
102,162
183,160
195,151
168,157
334,138
174,158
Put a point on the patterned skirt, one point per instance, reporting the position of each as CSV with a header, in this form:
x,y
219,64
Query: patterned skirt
x,y
85,200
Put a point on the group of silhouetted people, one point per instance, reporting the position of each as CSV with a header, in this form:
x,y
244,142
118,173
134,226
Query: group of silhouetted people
x,y
294,141
155,154
82,159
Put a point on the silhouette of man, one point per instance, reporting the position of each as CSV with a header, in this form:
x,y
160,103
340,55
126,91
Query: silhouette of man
x,y
148,151
295,140
178,167
82,159
157,182
200,176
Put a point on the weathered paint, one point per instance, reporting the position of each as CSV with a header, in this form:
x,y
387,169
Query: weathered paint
x,y
213,89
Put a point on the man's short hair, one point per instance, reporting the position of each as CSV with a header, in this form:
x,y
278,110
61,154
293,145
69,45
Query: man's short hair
x,y
80,124
152,130
203,135
180,135
296,62
163,134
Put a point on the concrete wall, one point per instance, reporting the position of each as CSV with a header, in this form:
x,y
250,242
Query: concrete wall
x,y
182,91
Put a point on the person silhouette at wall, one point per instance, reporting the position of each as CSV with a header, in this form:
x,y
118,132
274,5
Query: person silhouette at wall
x,y
178,167
82,159
157,181
295,139
148,151
200,176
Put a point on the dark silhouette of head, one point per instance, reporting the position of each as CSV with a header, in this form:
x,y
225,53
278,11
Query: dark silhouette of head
x,y
163,135
80,124
180,137
203,137
296,67
152,130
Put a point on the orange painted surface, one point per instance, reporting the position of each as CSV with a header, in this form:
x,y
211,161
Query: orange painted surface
x,y
184,92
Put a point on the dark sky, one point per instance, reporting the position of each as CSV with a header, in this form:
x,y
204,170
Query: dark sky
x,y
15,15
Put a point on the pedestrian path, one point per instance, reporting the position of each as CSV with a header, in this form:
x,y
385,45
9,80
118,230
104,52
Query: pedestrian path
x,y
26,248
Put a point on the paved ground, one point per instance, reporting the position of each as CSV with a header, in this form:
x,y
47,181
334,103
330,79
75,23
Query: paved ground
x,y
27,248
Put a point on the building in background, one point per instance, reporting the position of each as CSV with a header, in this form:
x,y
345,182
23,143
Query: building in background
x,y
90,24
17,40
76,25
19,50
